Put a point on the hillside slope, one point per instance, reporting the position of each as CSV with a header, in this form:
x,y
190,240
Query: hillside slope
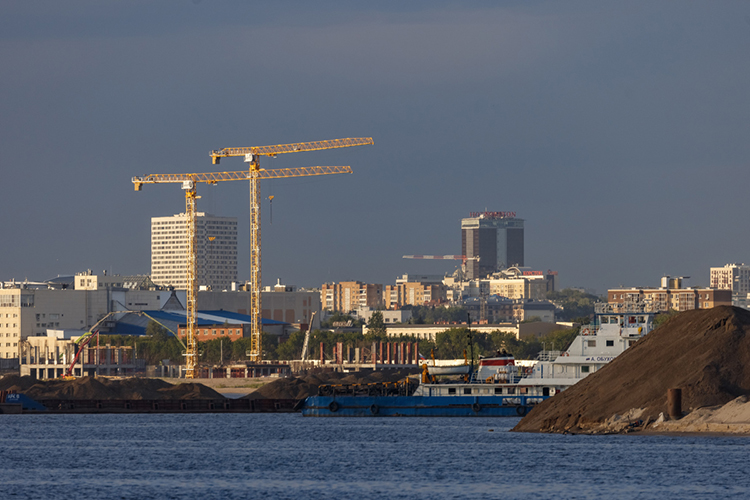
x,y
706,353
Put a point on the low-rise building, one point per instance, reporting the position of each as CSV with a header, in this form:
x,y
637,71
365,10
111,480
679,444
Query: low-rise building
x,y
389,317
540,310
672,296
430,332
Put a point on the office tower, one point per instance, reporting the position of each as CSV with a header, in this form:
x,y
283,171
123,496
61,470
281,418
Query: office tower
x,y
496,238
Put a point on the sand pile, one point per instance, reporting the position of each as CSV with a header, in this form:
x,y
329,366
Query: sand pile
x,y
307,385
732,418
88,388
706,353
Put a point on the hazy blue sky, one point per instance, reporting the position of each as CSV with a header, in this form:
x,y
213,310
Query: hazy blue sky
x,y
617,130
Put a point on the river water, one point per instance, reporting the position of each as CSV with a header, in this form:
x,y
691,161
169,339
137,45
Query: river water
x,y
286,456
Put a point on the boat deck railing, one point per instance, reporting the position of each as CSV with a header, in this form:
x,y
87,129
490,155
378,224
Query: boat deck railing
x,y
400,388
548,355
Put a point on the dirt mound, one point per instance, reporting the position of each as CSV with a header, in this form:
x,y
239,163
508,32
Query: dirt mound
x,y
106,389
706,353
307,385
16,383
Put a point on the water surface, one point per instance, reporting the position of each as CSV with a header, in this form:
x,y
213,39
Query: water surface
x,y
285,456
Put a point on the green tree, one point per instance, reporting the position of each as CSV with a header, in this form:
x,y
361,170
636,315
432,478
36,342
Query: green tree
x,y
376,326
157,332
292,347
574,303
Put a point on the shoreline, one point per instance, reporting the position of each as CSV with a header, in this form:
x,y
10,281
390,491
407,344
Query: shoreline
x,y
243,386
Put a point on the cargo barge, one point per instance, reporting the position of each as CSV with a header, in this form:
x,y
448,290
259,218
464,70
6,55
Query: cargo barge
x,y
20,403
490,391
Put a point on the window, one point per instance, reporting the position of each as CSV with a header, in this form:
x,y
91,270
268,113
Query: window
x,y
584,369
591,343
610,343
498,390
452,390
511,390
467,390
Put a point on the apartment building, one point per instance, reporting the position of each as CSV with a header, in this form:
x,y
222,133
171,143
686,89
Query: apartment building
x,y
677,299
734,277
216,245
348,296
414,293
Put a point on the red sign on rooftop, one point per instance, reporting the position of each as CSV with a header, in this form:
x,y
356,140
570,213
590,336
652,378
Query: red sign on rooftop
x,y
493,215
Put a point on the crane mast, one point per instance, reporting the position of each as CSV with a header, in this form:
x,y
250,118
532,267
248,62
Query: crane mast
x,y
191,351
256,323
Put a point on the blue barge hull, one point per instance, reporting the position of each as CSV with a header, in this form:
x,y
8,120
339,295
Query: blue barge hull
x,y
418,406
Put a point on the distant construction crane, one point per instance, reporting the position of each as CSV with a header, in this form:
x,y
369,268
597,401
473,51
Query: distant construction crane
x,y
462,258
254,175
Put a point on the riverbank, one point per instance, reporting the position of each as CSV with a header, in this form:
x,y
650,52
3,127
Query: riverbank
x,y
705,353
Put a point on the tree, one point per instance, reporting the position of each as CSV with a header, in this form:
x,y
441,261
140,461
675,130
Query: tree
x,y
452,343
574,303
157,332
376,326
292,347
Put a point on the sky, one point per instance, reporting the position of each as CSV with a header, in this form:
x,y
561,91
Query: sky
x,y
617,130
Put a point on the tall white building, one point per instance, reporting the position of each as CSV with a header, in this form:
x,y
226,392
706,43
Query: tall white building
x,y
734,277
216,245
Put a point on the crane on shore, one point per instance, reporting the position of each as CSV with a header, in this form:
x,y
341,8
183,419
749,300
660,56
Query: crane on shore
x,y
254,174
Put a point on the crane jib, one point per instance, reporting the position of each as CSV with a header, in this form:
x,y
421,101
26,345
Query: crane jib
x,y
293,148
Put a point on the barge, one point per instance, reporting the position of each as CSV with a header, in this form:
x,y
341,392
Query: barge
x,y
498,388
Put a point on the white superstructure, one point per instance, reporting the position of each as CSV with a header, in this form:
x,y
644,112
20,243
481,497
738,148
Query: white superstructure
x,y
615,328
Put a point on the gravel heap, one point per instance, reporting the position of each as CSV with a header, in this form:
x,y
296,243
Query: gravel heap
x,y
706,353
89,388
307,385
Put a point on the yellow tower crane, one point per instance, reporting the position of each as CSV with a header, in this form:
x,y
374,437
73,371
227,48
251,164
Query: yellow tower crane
x,y
254,175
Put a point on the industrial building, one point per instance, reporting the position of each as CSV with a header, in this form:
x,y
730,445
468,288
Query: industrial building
x,y
209,324
51,355
216,241
491,241
30,309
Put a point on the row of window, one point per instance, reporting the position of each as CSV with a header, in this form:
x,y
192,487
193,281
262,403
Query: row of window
x,y
205,332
